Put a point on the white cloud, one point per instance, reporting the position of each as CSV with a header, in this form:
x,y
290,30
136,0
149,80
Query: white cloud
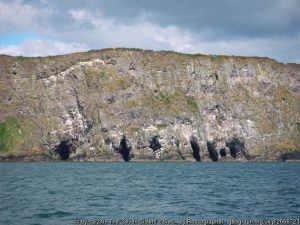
x,y
141,34
14,15
41,48
83,16
144,34
80,29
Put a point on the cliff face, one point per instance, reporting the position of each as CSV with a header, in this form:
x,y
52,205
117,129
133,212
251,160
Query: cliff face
x,y
122,104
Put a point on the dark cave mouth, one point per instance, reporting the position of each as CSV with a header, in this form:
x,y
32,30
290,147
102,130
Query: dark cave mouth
x,y
223,152
124,149
64,150
213,154
236,146
196,149
154,143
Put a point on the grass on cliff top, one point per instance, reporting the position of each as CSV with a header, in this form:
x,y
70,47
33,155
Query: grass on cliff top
x,y
211,56
66,57
11,134
82,54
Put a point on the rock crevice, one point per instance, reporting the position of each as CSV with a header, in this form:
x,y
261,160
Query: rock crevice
x,y
120,103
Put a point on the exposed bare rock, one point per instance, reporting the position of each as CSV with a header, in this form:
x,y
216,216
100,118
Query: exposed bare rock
x,y
129,104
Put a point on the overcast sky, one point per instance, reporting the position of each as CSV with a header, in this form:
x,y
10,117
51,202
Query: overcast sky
x,y
234,27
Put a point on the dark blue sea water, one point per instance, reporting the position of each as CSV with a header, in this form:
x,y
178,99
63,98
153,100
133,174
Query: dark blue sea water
x,y
61,192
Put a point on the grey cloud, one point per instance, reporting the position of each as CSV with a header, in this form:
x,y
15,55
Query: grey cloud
x,y
267,28
215,19
228,18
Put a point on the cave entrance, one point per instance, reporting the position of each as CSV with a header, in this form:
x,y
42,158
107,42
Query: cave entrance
x,y
64,149
223,152
195,148
124,149
236,146
155,146
154,143
213,154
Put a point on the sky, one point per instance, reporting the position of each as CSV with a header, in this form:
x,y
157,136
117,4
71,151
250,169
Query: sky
x,y
268,28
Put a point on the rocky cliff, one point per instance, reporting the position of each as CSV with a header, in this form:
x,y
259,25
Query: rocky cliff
x,y
131,104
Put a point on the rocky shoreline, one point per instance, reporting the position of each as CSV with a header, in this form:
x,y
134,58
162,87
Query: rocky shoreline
x,y
292,156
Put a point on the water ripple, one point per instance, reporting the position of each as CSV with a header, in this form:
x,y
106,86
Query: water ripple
x,y
59,193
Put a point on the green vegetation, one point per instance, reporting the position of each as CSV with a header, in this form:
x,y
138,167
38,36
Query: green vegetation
x,y
37,58
128,49
124,49
284,145
214,57
11,134
169,103
191,102
282,93
20,57
161,126
80,55
117,84
102,74
165,98
132,129
298,127
181,54
122,84
164,52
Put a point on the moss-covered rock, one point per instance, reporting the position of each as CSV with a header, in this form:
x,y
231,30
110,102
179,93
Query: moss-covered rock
x,y
11,134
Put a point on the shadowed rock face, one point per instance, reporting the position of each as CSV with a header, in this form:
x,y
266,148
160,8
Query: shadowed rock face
x,y
195,148
213,154
291,155
236,147
124,149
223,152
64,149
154,143
151,98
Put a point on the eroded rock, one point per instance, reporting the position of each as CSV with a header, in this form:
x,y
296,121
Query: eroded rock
x,y
236,146
195,148
237,102
213,153
64,149
125,149
290,155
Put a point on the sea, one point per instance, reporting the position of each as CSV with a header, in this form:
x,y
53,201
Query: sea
x,y
119,193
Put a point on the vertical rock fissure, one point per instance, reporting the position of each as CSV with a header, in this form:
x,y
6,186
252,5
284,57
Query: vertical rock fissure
x,y
213,154
178,149
124,149
195,148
